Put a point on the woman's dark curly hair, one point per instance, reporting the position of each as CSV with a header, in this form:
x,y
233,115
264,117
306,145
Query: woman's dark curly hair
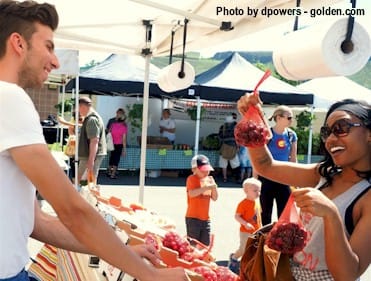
x,y
327,168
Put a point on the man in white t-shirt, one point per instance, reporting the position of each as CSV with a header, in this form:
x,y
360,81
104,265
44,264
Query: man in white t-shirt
x,y
26,59
167,125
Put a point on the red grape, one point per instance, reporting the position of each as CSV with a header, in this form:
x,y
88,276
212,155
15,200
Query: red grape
x,y
250,134
287,238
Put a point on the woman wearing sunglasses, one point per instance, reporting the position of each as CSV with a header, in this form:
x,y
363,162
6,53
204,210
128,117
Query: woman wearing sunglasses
x,y
333,197
282,146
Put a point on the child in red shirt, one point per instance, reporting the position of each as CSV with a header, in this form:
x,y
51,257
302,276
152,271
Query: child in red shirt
x,y
248,214
200,189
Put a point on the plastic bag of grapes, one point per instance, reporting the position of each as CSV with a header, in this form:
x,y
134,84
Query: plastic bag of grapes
x,y
288,235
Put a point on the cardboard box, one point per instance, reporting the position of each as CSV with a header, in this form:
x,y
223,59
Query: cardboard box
x,y
154,142
160,146
153,173
170,174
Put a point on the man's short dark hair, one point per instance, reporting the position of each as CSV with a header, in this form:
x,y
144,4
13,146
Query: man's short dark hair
x,y
19,17
85,100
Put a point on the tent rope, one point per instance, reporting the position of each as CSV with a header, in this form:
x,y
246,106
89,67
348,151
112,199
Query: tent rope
x,y
181,73
347,45
296,22
172,34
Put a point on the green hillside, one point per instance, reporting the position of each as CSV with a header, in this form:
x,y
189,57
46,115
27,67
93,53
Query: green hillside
x,y
363,77
200,64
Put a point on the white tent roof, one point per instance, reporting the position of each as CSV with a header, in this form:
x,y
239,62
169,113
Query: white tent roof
x,y
121,67
328,90
117,25
241,74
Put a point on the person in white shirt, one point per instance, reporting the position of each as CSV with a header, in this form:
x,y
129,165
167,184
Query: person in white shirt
x,y
167,125
26,165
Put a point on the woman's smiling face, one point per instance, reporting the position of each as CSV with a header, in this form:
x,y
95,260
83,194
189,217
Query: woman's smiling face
x,y
352,145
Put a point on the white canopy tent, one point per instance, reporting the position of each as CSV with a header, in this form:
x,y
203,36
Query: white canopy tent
x,y
118,26
328,90
145,27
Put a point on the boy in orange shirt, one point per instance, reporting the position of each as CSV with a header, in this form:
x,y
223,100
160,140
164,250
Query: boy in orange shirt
x,y
248,214
200,189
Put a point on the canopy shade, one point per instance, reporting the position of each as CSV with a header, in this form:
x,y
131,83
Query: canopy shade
x,y
119,26
116,75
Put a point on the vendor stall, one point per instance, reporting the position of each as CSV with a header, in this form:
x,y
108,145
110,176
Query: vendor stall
x,y
162,158
134,224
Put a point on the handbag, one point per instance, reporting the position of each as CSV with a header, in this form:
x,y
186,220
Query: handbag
x,y
70,146
109,140
260,263
228,151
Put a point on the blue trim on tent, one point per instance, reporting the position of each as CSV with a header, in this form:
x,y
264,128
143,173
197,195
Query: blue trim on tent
x,y
213,72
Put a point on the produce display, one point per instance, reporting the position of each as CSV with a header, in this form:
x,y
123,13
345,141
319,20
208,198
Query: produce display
x,y
287,238
220,273
143,226
206,272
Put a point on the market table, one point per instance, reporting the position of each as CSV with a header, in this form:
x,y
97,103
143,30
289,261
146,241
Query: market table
x,y
157,159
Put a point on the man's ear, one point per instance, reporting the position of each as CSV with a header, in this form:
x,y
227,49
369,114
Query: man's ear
x,y
17,43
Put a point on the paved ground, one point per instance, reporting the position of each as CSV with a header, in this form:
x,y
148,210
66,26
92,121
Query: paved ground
x,y
132,178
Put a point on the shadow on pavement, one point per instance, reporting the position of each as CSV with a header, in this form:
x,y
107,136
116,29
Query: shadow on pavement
x,y
132,178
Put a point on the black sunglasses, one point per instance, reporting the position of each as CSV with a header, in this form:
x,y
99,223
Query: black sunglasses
x,y
287,117
340,128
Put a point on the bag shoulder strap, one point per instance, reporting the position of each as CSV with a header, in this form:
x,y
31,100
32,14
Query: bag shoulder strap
x,y
349,212
290,135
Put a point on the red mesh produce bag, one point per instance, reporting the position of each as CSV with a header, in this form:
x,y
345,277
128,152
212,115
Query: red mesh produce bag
x,y
288,235
252,130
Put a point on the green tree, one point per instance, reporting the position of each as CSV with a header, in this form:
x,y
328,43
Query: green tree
x,y
68,105
134,118
192,112
303,121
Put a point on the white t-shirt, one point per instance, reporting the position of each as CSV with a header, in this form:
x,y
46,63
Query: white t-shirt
x,y
168,124
19,126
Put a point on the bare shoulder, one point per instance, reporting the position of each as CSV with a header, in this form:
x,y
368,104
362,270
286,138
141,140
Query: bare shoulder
x,y
363,207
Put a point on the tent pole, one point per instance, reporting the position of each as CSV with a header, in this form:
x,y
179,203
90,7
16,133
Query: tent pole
x,y
144,131
61,126
180,12
77,132
310,138
197,125
147,55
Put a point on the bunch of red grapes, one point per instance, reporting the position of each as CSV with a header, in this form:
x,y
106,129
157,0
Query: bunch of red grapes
x,y
220,273
287,238
249,133
223,273
151,239
177,243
